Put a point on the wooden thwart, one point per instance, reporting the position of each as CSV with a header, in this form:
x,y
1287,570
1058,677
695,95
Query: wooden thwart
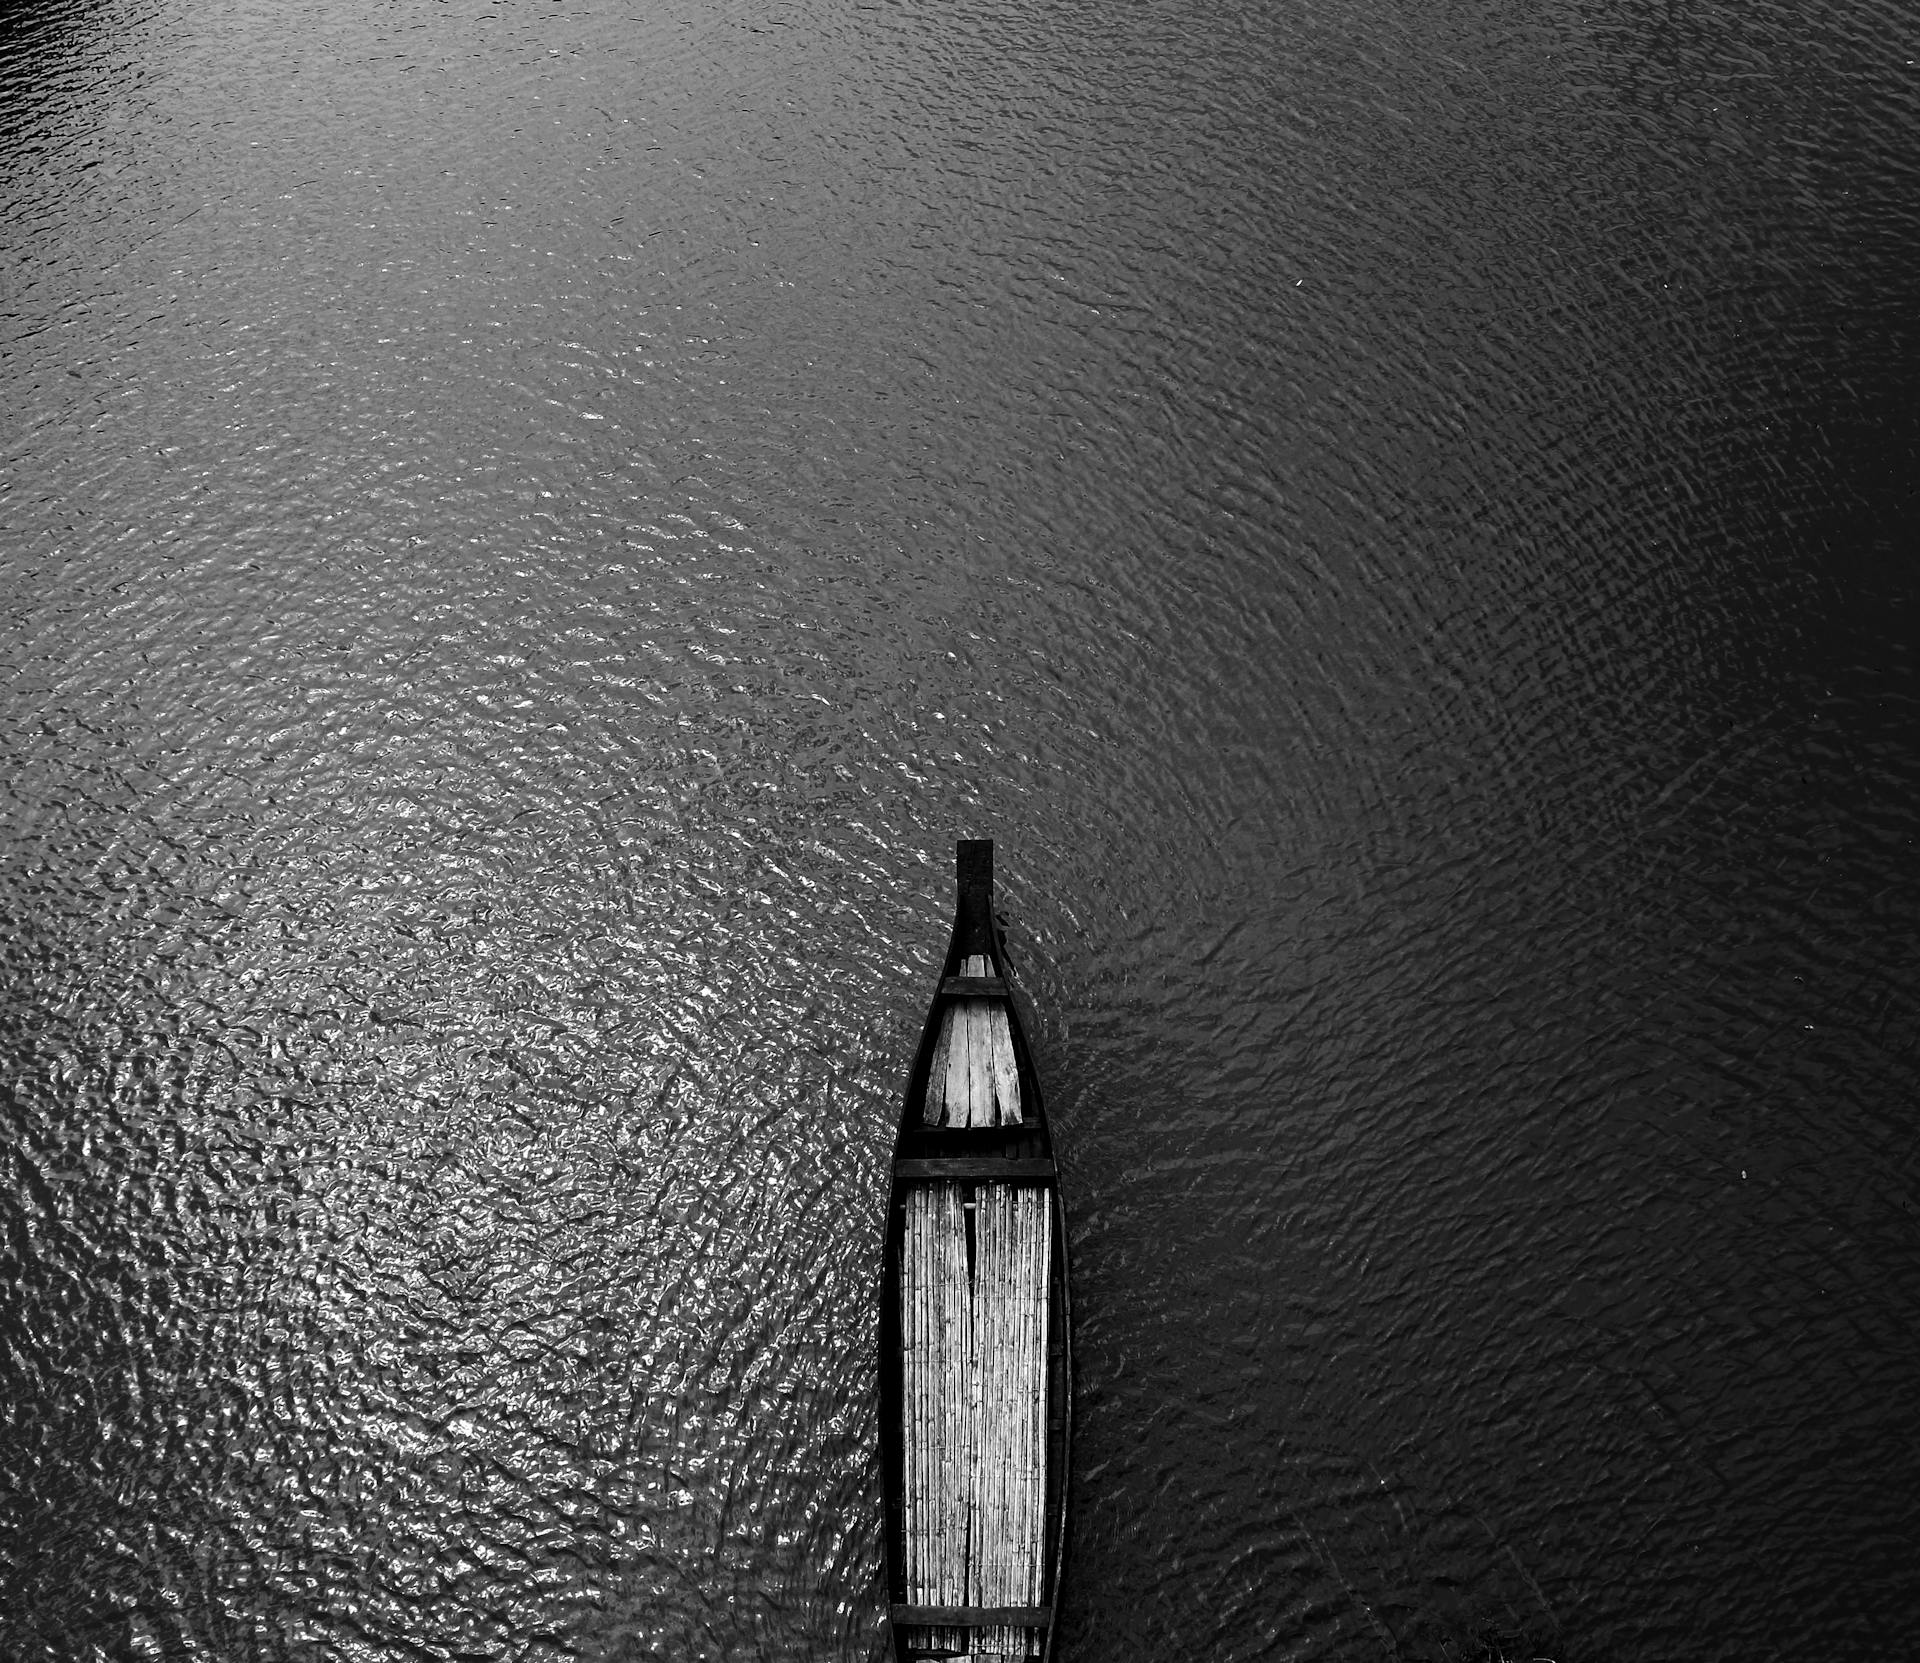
x,y
974,987
974,1616
998,1167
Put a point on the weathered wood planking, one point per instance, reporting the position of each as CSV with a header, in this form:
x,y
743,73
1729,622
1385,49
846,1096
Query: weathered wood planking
x,y
974,1079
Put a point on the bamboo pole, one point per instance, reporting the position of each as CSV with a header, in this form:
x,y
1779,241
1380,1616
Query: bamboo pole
x,y
1008,1564
942,1586
965,1293
988,1265
1020,1391
971,1410
1018,1385
928,1379
958,1358
923,1431
929,1386
1016,1363
993,1392
985,1266
949,1439
929,1398
976,1400
1008,1398
1028,1453
984,1308
1032,1393
909,1393
1036,1292
943,1386
912,1431
963,1334
915,1429
1016,1369
1042,1282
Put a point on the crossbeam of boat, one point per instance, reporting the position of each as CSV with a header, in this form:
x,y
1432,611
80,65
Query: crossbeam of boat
x,y
974,987
976,1168
974,1616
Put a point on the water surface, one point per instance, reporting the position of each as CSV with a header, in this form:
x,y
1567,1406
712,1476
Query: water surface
x,y
529,530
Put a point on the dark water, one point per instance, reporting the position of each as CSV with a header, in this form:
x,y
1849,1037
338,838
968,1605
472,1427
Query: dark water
x,y
529,529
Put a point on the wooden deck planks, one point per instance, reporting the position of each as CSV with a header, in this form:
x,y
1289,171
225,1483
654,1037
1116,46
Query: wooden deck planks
x,y
974,1396
973,1079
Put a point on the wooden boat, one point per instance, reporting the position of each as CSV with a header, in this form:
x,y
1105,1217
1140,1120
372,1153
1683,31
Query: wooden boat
x,y
975,1321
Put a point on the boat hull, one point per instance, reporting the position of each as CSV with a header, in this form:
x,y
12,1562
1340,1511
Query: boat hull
x,y
968,1173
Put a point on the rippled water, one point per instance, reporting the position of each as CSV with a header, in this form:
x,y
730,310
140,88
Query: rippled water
x,y
529,529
